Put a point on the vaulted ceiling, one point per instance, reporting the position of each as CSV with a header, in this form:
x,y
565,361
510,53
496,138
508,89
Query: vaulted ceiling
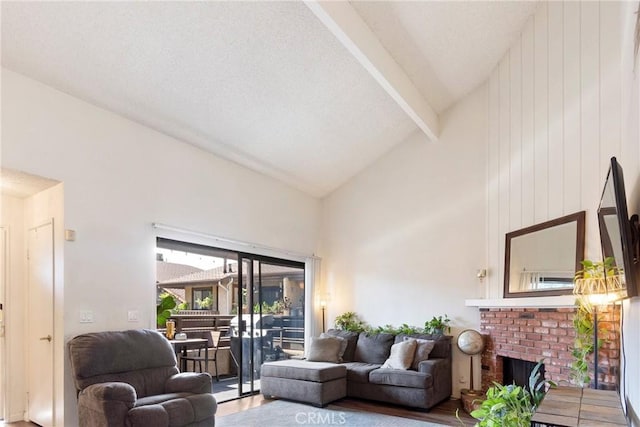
x,y
309,93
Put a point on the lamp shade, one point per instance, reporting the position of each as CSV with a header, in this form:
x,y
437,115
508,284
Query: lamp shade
x,y
601,290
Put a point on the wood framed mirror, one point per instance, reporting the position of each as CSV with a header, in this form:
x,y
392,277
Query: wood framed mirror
x,y
542,260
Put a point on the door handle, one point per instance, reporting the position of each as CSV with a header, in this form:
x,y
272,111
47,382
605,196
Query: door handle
x,y
47,338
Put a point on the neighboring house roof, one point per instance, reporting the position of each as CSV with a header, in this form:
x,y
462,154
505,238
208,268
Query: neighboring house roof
x,y
217,274
178,293
169,270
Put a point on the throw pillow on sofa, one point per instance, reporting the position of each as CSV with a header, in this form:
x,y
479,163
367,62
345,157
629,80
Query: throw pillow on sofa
x,y
324,350
373,348
352,339
343,344
423,350
401,355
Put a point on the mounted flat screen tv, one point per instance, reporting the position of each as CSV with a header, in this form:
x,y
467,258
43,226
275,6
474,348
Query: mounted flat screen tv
x,y
618,233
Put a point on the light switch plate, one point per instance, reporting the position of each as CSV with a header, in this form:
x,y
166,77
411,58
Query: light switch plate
x,y
133,316
86,316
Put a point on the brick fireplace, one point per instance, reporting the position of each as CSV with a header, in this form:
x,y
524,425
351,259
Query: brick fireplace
x,y
534,333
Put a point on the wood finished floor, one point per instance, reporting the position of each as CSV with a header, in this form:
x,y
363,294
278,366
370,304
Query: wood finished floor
x,y
444,413
18,424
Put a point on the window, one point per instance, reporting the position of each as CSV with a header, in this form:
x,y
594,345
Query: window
x,y
204,299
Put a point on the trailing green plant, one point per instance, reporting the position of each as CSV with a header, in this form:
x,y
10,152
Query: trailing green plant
x,y
163,309
583,345
583,321
437,325
386,329
349,321
408,330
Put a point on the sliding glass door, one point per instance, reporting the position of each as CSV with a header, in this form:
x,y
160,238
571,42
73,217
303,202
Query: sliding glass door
x,y
256,302
272,292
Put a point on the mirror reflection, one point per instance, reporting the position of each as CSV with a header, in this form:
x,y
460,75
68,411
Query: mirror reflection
x,y
542,260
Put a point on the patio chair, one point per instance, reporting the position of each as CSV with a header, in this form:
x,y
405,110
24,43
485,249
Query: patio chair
x,y
130,378
214,339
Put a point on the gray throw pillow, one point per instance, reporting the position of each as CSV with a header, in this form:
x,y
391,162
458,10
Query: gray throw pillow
x,y
401,355
423,350
324,350
343,344
373,348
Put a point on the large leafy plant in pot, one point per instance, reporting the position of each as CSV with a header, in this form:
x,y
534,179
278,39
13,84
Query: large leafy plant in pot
x,y
512,405
163,309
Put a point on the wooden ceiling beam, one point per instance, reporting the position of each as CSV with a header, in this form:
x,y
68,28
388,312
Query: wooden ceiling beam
x,y
351,30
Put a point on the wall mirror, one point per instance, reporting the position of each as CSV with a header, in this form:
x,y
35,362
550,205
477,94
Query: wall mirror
x,y
542,260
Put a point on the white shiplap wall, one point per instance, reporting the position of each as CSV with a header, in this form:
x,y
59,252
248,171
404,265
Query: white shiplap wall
x,y
555,119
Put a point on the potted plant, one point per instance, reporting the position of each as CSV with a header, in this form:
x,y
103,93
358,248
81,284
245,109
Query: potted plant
x,y
598,278
512,405
349,321
163,309
437,325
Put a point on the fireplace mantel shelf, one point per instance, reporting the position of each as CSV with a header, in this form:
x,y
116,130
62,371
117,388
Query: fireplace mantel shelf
x,y
558,301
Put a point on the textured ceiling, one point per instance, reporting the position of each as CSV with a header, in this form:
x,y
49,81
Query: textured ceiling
x,y
446,47
21,185
264,84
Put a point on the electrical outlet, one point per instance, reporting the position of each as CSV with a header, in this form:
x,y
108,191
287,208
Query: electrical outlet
x,y
462,379
133,316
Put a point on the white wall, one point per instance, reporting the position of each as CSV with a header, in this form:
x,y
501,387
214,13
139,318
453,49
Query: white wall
x,y
119,177
403,239
562,101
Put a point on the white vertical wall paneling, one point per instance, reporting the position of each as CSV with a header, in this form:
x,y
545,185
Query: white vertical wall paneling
x,y
493,290
515,169
630,148
505,147
528,159
589,123
541,113
610,88
556,109
565,119
572,107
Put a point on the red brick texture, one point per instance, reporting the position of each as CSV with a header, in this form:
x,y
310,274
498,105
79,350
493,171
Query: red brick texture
x,y
535,333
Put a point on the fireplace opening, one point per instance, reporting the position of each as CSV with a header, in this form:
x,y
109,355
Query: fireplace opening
x,y
517,371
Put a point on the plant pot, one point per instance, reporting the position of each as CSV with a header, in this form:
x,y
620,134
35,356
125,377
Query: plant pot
x,y
471,399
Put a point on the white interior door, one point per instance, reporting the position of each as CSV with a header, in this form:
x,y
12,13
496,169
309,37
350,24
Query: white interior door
x,y
40,325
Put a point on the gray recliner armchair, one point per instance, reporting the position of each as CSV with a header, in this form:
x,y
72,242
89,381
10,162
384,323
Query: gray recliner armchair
x,y
130,378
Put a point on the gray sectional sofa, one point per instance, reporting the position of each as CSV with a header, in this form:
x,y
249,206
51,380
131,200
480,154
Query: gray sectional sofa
x,y
360,374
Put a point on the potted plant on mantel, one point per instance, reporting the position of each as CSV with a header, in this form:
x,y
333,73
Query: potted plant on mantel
x,y
438,325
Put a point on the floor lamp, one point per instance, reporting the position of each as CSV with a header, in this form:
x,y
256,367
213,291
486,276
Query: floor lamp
x,y
323,307
596,291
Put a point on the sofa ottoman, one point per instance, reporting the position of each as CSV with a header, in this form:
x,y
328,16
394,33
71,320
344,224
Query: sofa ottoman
x,y
317,383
